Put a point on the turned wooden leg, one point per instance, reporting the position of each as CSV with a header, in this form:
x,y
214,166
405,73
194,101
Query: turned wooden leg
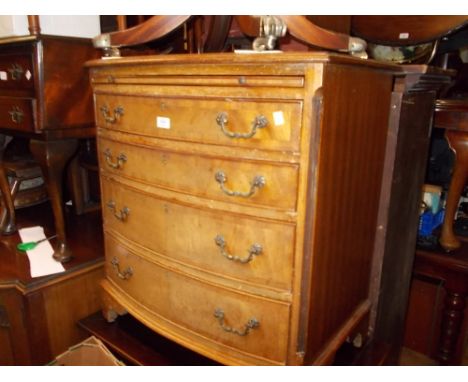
x,y
8,217
451,324
52,157
459,143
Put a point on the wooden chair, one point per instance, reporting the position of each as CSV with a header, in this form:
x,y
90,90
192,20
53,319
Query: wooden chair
x,y
18,168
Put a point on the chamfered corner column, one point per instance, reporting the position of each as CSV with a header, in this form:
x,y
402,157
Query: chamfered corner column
x,y
52,157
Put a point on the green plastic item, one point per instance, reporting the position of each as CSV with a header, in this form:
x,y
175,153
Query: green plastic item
x,y
28,246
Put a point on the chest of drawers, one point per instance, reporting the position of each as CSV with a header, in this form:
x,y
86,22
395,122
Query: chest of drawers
x,y
240,198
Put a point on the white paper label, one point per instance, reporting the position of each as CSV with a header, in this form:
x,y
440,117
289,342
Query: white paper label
x,y
163,122
403,36
3,76
278,118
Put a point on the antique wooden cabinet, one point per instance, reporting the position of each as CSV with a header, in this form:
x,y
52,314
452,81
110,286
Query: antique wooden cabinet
x,y
240,198
45,97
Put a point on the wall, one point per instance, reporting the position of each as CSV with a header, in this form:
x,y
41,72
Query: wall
x,y
62,25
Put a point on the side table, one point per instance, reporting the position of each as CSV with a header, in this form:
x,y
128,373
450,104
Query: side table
x,y
45,96
453,271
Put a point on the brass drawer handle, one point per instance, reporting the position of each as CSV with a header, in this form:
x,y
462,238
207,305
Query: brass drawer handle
x,y
122,215
254,250
118,112
16,72
259,122
16,114
121,159
251,324
257,182
126,274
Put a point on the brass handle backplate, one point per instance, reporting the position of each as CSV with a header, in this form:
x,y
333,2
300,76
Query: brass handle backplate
x,y
254,250
121,215
251,324
259,122
121,159
257,183
16,72
16,114
126,274
118,112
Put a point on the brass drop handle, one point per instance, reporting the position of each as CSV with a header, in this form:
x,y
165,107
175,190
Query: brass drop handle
x,y
259,122
122,215
121,159
118,112
257,183
16,114
16,72
253,323
126,274
254,250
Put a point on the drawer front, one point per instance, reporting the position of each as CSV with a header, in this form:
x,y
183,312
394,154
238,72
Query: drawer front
x,y
252,123
16,113
16,72
258,183
256,251
259,326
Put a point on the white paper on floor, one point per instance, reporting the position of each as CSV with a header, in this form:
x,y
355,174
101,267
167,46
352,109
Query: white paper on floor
x,y
40,258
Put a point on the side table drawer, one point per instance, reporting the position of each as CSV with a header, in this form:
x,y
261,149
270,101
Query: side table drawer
x,y
16,73
16,113
253,325
261,250
273,125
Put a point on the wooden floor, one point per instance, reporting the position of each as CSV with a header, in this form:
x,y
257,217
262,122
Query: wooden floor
x,y
411,358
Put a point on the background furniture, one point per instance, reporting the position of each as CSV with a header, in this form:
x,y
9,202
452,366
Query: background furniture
x,y
45,96
38,316
452,115
453,272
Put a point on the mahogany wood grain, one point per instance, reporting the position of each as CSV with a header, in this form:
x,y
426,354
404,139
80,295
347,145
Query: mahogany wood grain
x,y
346,225
65,97
152,29
310,33
405,30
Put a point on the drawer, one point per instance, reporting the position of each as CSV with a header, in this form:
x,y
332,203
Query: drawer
x,y
16,73
16,113
260,325
259,183
262,250
259,124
